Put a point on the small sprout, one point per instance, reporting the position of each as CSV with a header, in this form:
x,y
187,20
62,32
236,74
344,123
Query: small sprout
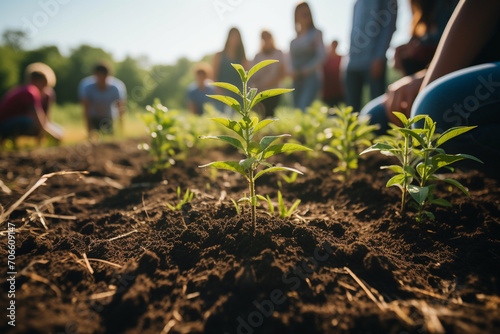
x,y
349,134
289,179
255,151
188,197
236,206
420,159
283,211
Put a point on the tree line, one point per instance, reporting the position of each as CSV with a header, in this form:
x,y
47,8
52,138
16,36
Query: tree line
x,y
144,83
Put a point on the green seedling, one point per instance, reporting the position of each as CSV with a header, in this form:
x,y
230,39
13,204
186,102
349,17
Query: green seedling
x,y
283,211
288,179
236,206
269,203
166,139
255,152
349,134
188,197
420,157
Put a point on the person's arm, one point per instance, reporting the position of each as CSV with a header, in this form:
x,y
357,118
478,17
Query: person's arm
x,y
216,66
465,35
43,123
192,108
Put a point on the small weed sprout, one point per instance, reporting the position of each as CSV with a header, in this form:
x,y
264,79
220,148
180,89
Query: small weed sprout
x,y
283,211
236,207
188,197
349,134
256,152
288,179
420,158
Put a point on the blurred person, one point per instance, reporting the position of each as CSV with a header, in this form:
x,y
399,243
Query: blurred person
x,y
197,92
24,109
307,54
461,87
269,77
373,25
333,87
233,53
429,20
103,99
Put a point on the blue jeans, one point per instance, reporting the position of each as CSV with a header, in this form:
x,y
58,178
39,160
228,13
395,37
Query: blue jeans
x,y
354,83
306,90
467,97
19,126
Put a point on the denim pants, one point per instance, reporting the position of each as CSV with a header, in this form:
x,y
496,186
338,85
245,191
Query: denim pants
x,y
19,126
306,90
468,97
354,83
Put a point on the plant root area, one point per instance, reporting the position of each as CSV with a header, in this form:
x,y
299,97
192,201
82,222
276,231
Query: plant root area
x,y
102,253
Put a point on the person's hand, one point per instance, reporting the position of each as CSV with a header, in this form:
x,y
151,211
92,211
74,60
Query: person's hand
x,y
401,95
377,69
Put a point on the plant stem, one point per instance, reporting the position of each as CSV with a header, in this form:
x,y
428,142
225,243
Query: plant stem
x,y
405,185
252,199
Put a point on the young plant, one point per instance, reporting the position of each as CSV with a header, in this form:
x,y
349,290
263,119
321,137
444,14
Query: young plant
x,y
288,179
283,211
421,158
166,135
188,197
245,129
348,134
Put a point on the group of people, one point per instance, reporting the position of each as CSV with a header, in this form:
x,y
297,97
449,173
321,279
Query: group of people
x,y
25,109
450,68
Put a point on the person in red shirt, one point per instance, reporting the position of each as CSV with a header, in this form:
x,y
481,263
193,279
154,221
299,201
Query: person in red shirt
x,y
333,89
24,109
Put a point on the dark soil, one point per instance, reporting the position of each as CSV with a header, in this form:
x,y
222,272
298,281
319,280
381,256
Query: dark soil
x,y
346,262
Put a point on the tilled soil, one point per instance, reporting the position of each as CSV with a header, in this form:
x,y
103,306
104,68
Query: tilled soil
x,y
115,259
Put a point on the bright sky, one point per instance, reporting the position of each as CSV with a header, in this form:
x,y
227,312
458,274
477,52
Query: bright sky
x,y
165,30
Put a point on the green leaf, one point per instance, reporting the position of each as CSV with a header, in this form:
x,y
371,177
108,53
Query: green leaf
x,y
440,160
416,119
441,201
241,72
396,180
227,86
231,125
402,117
247,163
292,209
268,140
414,135
267,94
378,147
263,123
171,207
281,148
451,133
229,165
262,198
231,140
276,169
419,194
254,148
458,185
258,66
244,200
227,100
394,168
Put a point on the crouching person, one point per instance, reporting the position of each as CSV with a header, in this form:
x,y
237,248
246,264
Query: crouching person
x,y
24,109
